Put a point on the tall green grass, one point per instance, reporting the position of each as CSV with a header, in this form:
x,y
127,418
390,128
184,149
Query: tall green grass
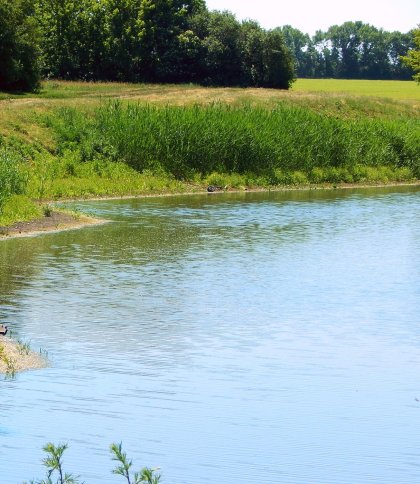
x,y
13,178
273,144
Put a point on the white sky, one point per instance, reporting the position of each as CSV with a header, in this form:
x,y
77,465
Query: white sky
x,y
311,15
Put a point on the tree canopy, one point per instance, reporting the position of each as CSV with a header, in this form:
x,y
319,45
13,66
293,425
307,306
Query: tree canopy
x,y
157,41
353,50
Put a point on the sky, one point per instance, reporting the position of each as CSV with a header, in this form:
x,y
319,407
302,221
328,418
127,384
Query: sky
x,y
311,15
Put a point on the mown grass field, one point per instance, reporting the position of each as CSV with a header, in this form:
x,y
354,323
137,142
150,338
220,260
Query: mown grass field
x,y
66,139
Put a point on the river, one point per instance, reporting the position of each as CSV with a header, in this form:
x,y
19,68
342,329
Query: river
x,y
227,338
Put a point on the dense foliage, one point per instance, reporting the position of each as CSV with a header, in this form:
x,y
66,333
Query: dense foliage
x,y
158,41
353,50
19,41
182,41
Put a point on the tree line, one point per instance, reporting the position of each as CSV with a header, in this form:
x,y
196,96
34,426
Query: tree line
x,y
137,41
181,41
353,50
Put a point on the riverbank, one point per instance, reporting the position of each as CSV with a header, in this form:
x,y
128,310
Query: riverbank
x,y
75,141
16,357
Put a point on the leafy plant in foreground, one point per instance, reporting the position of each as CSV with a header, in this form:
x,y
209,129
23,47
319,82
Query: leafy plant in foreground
x,y
123,469
54,464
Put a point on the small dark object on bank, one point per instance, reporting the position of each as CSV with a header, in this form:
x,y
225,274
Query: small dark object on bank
x,y
214,188
47,211
3,329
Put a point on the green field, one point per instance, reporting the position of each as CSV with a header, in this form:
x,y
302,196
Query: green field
x,y
402,90
72,140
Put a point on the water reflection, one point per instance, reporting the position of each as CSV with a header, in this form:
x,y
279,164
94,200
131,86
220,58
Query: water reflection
x,y
222,337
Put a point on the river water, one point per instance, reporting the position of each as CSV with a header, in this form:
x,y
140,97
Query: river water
x,y
229,338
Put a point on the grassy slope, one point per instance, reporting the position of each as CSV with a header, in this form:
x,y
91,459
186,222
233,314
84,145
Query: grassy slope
x,y
21,125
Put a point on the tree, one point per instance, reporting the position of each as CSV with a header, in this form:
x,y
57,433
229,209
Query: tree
x,y
167,42
398,46
57,19
122,49
278,62
222,65
251,45
412,59
19,46
299,44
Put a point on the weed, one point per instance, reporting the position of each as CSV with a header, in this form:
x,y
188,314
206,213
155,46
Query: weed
x,y
24,348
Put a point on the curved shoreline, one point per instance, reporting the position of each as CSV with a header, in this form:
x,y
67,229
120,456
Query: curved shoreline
x,y
61,221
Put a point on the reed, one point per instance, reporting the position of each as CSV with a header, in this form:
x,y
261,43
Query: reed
x,y
12,177
271,143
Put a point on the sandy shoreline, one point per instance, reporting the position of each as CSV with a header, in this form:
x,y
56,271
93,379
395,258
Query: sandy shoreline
x,y
61,220
16,357
57,222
